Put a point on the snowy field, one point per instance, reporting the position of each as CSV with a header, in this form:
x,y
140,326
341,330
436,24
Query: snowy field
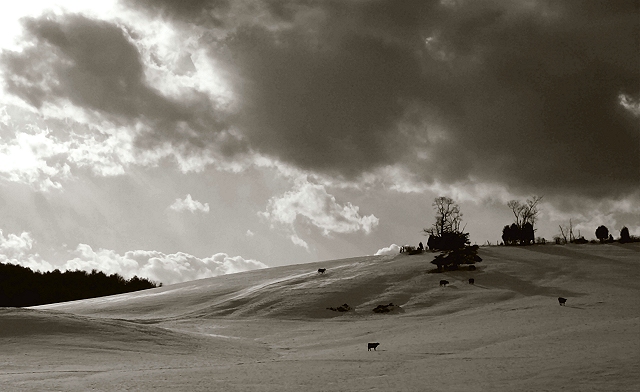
x,y
269,330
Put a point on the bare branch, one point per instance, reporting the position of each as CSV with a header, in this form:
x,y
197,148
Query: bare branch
x,y
525,212
448,217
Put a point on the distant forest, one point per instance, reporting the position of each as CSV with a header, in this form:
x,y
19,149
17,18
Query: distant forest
x,y
20,286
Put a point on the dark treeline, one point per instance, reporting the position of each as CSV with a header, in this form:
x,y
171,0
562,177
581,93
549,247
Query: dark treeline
x,y
20,286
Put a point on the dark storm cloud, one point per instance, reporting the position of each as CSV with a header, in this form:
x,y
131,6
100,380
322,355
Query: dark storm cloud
x,y
522,93
94,65
326,91
542,108
325,108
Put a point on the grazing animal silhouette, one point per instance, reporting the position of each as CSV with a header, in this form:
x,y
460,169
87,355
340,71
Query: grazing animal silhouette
x,y
444,283
321,270
372,346
472,281
562,301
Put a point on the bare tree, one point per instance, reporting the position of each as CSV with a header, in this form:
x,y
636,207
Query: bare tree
x,y
516,207
567,231
526,212
525,216
448,217
562,233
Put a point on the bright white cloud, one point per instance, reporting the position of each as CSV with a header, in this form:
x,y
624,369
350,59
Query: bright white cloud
x,y
41,159
4,116
45,160
29,158
15,244
17,249
106,156
188,204
392,249
299,241
313,204
629,103
158,266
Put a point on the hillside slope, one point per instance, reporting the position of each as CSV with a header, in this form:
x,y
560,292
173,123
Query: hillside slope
x,y
269,330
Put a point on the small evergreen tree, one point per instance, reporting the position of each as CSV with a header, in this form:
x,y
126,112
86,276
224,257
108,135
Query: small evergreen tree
x,y
624,235
453,259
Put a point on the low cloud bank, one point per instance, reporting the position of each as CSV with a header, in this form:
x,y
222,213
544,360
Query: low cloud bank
x,y
157,266
160,267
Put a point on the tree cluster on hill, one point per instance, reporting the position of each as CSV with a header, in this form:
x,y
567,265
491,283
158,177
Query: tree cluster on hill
x,y
521,231
602,233
20,286
446,236
515,235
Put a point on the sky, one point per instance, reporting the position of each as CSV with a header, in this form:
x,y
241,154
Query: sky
x,y
184,139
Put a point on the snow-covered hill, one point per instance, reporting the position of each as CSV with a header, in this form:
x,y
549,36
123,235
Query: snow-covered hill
x,y
270,330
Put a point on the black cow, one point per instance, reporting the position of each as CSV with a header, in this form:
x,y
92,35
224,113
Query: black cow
x,y
471,281
321,270
372,346
444,283
562,301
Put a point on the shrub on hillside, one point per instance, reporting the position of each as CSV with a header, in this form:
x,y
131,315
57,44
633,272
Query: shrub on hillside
x,y
341,308
453,259
386,308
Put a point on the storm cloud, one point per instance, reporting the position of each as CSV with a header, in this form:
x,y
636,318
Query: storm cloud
x,y
531,95
523,93
95,66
